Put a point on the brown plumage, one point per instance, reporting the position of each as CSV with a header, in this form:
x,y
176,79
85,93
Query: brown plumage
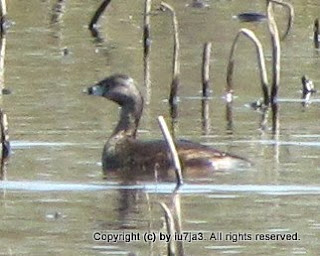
x,y
123,151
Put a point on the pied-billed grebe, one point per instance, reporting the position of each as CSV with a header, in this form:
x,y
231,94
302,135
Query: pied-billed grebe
x,y
124,151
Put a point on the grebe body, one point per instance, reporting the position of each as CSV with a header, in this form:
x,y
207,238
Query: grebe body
x,y
123,151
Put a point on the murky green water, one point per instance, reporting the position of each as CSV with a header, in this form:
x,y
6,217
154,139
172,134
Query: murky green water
x,y
54,198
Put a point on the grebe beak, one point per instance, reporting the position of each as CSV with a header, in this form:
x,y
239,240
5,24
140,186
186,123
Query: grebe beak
x,y
95,90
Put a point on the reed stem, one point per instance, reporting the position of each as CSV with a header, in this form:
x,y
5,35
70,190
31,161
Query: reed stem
x,y
261,63
2,57
316,34
176,63
4,134
98,13
172,148
58,11
290,10
6,148
171,250
3,16
146,28
146,50
205,70
276,51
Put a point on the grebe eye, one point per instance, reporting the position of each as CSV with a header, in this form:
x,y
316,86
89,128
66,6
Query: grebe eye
x,y
90,90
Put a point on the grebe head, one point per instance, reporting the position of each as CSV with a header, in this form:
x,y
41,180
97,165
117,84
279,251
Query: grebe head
x,y
118,88
122,90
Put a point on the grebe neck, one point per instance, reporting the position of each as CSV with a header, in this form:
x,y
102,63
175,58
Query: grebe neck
x,y
129,120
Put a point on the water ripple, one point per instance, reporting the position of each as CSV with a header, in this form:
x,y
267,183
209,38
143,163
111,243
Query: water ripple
x,y
163,188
